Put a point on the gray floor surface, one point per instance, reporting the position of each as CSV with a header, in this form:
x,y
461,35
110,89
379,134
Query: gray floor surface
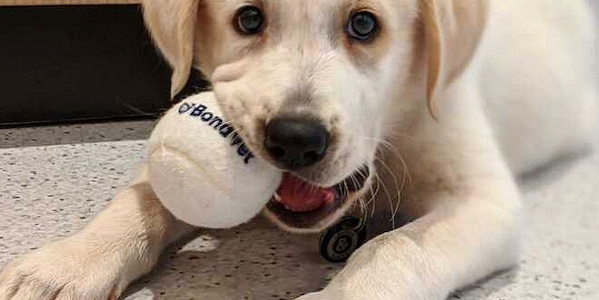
x,y
55,179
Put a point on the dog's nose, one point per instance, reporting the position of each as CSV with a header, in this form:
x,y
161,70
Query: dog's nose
x,y
296,142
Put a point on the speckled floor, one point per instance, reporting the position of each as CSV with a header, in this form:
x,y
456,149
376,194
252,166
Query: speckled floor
x,y
54,179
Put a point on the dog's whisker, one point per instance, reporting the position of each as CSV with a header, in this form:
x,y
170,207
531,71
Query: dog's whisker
x,y
407,178
373,193
387,193
405,170
397,154
345,186
394,208
364,206
399,196
380,187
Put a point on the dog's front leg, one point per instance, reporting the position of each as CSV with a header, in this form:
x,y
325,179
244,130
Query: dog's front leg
x,y
450,247
468,213
122,243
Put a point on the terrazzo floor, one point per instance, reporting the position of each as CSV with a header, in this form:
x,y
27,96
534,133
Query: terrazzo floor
x,y
54,179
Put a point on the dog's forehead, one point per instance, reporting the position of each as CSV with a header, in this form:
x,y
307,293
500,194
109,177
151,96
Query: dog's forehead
x,y
301,9
318,9
306,7
312,21
303,21
305,16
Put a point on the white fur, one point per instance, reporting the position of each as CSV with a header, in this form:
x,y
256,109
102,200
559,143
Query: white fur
x,y
528,96
532,93
538,76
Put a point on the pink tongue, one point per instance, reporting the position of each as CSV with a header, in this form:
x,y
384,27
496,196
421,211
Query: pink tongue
x,y
300,196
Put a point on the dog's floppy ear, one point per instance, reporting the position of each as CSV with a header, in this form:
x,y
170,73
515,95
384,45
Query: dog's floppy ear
x,y
172,25
452,29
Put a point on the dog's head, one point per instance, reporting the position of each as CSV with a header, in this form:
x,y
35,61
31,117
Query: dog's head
x,y
315,86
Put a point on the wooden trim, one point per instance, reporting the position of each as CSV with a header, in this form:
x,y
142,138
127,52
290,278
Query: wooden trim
x,y
65,2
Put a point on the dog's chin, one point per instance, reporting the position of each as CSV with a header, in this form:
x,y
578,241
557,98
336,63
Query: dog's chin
x,y
346,193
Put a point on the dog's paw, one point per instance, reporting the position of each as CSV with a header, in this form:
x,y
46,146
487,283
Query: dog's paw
x,y
316,296
68,269
326,294
391,266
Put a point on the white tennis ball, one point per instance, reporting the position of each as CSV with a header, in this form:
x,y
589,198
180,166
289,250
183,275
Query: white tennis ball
x,y
201,169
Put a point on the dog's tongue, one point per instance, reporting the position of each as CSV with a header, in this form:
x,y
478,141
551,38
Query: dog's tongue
x,y
299,196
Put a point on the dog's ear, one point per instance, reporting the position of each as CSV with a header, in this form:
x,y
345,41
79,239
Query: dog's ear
x,y
452,30
172,25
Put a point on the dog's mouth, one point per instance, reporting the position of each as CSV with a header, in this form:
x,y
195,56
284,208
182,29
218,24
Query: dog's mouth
x,y
302,206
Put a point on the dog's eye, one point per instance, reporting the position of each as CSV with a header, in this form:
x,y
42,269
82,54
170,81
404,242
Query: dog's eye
x,y
362,26
249,20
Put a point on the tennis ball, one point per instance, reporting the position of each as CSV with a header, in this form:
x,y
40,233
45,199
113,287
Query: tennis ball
x,y
201,169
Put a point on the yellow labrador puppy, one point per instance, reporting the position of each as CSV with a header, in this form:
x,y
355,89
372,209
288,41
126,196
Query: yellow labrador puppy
x,y
457,96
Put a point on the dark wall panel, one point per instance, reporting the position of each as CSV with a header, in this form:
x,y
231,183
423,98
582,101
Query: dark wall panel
x,y
73,63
